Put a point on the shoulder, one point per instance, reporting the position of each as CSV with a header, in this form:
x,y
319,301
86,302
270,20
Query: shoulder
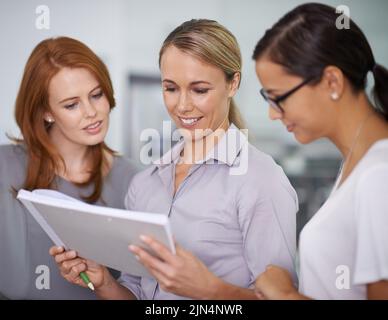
x,y
13,162
259,159
370,185
9,152
264,178
263,169
143,176
123,168
373,169
126,163
373,179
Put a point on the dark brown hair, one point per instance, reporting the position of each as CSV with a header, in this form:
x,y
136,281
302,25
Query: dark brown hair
x,y
48,57
306,40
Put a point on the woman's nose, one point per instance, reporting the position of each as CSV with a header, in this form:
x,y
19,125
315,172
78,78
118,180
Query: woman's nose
x,y
274,114
184,104
90,110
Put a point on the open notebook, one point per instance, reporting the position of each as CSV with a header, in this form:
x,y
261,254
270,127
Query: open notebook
x,y
97,233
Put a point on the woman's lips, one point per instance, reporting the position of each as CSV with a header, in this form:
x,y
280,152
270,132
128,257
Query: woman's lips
x,y
189,122
94,128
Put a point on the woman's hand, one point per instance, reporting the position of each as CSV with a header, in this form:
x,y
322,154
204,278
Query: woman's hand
x,y
182,274
70,266
276,284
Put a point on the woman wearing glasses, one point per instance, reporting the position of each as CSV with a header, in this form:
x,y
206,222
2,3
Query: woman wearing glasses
x,y
231,208
314,78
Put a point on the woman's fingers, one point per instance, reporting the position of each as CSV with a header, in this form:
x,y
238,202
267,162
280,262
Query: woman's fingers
x,y
67,265
70,265
76,270
160,249
54,250
67,255
148,260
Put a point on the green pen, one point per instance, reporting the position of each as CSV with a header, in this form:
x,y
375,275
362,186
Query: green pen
x,y
86,280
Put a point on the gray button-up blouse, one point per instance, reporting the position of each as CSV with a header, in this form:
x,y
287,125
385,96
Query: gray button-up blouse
x,y
235,210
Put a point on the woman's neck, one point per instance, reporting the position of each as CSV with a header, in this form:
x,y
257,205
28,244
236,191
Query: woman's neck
x,y
75,157
350,132
357,128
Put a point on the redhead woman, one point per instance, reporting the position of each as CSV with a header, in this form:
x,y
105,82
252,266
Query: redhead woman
x,y
62,110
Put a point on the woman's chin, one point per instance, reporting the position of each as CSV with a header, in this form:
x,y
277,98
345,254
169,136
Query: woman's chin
x,y
95,140
303,138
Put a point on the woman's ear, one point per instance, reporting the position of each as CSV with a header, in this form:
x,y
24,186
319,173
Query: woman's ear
x,y
234,84
333,81
48,117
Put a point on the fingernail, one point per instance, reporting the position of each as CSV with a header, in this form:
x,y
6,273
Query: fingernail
x,y
132,247
137,257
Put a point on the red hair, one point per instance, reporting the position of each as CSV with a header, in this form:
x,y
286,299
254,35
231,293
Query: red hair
x,y
46,60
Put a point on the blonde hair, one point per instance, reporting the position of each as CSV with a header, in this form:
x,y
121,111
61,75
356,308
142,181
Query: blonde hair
x,y
212,43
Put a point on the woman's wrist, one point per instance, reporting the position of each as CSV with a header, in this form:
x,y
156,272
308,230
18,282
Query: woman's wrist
x,y
111,289
107,284
221,290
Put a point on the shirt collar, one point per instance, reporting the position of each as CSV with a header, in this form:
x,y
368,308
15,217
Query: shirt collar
x,y
227,150
171,156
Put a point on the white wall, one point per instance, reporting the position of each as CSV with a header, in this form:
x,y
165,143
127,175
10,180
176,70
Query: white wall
x,y
128,35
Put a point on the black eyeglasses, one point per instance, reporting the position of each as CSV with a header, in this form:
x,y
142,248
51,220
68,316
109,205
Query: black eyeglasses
x,y
275,102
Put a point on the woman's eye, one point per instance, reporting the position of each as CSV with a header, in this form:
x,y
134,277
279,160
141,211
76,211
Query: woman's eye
x,y
98,95
169,89
201,91
70,106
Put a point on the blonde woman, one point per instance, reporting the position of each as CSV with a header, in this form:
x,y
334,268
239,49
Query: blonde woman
x,y
228,227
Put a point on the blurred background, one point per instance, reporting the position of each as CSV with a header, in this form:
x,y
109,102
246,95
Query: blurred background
x,y
127,35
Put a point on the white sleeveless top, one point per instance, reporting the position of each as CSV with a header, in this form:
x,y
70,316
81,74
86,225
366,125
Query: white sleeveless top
x,y
344,246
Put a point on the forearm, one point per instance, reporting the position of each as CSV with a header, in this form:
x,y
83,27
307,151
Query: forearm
x,y
377,290
227,291
294,296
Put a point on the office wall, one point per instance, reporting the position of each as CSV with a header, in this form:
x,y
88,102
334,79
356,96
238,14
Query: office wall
x,y
128,35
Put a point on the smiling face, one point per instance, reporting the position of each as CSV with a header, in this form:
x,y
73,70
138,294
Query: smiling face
x,y
309,112
196,94
79,110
